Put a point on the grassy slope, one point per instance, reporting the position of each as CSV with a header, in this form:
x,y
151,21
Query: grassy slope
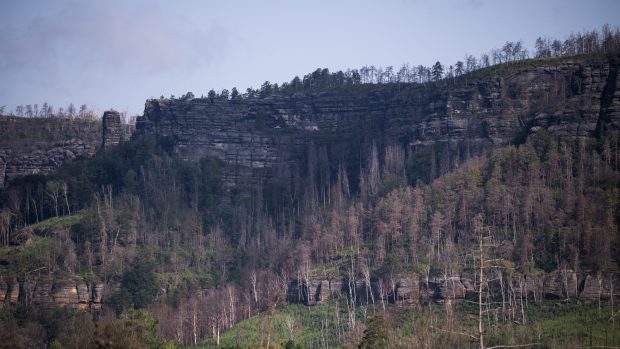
x,y
292,322
552,324
57,223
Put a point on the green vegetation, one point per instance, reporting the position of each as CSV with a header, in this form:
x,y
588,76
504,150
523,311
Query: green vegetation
x,y
549,325
139,283
291,325
19,132
375,334
184,259
154,221
58,223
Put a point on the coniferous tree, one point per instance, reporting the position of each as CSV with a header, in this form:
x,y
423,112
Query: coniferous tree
x,y
437,71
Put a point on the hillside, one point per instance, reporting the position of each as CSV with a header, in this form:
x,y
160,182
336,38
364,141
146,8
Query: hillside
x,y
39,145
573,97
368,203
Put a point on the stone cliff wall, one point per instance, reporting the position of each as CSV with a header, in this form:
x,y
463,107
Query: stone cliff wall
x,y
38,145
417,289
404,289
570,97
72,292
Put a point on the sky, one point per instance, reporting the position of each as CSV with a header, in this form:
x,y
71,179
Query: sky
x,y
118,53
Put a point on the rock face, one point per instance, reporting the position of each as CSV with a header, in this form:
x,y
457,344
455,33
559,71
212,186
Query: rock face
x,y
413,289
242,133
71,292
313,292
38,146
256,138
600,286
15,163
561,285
408,290
452,288
112,129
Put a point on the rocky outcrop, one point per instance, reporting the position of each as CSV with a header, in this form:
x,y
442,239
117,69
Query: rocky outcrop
x,y
71,292
257,138
38,146
112,129
404,290
20,162
313,292
560,285
407,290
451,288
412,289
601,286
244,134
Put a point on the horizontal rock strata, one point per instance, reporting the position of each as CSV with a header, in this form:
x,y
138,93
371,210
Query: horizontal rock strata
x,y
256,138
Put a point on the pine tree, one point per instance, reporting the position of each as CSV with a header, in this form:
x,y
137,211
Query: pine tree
x,y
437,71
375,335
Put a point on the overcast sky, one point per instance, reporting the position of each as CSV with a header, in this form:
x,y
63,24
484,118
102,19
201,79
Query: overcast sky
x,y
116,54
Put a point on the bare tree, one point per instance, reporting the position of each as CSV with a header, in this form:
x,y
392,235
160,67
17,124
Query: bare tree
x,y
65,191
53,191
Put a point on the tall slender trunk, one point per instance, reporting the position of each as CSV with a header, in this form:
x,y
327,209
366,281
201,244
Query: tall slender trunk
x,y
195,327
480,285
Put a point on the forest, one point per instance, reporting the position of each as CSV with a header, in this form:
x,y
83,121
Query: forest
x,y
188,262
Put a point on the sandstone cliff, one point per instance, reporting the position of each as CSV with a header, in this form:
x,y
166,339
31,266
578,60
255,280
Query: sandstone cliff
x,y
38,145
411,289
70,291
256,138
403,289
568,97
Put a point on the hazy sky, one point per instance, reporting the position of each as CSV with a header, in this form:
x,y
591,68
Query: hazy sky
x,y
116,54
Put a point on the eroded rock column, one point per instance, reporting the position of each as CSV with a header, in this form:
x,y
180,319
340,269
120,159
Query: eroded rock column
x,y
112,129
